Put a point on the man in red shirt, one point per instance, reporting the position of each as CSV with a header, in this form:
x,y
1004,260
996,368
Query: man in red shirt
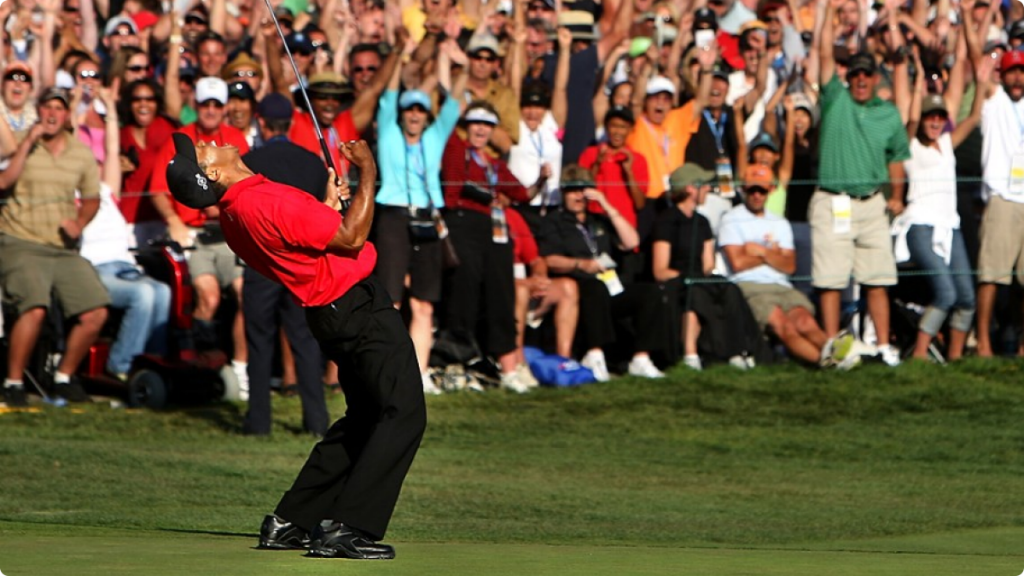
x,y
343,498
327,91
619,171
212,265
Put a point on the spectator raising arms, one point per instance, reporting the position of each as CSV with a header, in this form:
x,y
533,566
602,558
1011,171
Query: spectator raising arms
x,y
410,196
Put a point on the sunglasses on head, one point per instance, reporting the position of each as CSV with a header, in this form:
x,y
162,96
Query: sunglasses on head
x,y
18,77
136,68
89,74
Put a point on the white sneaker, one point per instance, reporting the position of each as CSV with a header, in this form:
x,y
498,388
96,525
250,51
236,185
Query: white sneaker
x,y
889,354
241,370
429,388
739,362
693,362
595,361
642,366
526,376
511,381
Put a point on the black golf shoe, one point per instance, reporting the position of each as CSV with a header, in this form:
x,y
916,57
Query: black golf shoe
x,y
340,541
277,534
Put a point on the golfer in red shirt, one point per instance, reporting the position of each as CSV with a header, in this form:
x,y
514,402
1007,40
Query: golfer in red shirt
x,y
343,498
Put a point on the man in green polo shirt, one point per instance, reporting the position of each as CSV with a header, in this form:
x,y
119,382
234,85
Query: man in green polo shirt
x,y
863,146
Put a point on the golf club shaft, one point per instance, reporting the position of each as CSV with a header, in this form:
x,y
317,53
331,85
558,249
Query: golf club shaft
x,y
309,106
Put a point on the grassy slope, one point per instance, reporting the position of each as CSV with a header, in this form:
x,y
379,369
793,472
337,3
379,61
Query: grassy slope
x,y
876,460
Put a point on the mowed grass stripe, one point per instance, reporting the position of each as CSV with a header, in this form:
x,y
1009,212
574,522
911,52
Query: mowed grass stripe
x,y
114,552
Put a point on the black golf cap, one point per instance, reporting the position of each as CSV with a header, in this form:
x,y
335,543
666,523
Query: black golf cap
x,y
186,180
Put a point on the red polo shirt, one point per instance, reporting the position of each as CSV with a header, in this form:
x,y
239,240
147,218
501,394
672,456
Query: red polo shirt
x,y
342,130
611,180
282,233
224,136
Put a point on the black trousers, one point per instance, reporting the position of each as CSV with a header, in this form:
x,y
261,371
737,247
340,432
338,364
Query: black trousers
x,y
640,302
354,475
267,305
482,283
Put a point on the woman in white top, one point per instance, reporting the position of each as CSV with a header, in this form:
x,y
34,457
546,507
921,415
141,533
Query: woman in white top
x,y
928,231
536,160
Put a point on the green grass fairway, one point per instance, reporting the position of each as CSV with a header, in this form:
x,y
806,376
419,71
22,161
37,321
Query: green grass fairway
x,y
781,470
106,552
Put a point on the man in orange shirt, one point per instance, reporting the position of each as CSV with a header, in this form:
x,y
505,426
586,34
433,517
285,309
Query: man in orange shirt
x,y
663,132
212,264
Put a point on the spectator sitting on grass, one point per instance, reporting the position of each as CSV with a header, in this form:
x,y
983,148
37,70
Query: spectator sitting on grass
x,y
758,247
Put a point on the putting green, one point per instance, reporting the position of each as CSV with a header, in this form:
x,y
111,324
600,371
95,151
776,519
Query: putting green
x,y
36,549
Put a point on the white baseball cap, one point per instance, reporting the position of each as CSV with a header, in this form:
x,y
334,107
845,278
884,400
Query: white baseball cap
x,y
659,84
211,88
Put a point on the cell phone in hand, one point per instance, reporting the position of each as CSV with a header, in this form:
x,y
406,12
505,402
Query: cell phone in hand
x,y
704,38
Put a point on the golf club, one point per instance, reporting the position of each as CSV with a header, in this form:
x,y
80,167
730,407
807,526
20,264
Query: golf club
x,y
305,97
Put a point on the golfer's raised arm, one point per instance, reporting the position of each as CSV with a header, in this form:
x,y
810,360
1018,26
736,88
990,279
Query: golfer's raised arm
x,y
355,225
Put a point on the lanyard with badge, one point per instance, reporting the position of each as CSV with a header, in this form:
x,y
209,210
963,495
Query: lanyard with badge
x,y
420,224
1016,186
604,261
499,224
723,165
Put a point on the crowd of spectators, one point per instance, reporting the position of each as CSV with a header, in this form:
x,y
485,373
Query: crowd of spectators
x,y
631,183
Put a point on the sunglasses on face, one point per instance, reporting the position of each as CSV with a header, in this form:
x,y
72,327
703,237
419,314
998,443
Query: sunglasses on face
x,y
484,58
756,190
18,77
859,73
195,21
538,8
210,103
416,108
86,74
143,98
302,52
361,69
136,68
772,20
244,74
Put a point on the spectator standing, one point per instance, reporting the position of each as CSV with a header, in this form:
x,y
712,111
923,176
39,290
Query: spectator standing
x,y
536,159
620,172
40,226
145,132
19,89
268,306
409,198
212,264
863,146
477,188
1002,236
663,132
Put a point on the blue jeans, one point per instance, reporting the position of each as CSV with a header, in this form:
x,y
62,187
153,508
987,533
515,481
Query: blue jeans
x,y
952,284
146,304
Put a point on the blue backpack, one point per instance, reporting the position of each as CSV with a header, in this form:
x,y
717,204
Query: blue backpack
x,y
555,370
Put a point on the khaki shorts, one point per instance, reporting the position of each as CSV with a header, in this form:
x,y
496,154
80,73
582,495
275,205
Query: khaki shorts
x,y
865,251
216,259
1002,242
31,271
764,298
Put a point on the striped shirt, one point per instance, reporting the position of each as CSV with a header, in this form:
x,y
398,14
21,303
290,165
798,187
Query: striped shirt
x,y
44,195
858,141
